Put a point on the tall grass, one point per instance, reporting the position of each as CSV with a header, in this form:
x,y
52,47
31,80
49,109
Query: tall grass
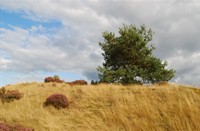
x,y
106,108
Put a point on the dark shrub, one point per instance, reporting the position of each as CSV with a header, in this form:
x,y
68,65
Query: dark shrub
x,y
8,96
14,94
57,100
7,127
48,79
53,79
78,82
94,82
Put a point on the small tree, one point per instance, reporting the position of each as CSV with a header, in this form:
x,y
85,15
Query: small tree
x,y
128,59
56,77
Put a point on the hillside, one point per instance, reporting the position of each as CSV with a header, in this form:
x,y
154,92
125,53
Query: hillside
x,y
105,108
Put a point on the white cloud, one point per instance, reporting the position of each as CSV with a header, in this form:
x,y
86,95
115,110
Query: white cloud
x,y
4,63
31,52
187,68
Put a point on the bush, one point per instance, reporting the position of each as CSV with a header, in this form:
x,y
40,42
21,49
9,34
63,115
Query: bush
x,y
78,82
53,79
14,94
8,96
7,127
94,82
4,127
57,100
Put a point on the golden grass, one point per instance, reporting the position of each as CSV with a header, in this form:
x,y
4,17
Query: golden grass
x,y
106,108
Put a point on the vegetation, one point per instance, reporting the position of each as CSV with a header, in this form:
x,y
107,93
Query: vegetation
x,y
105,107
93,82
56,79
57,100
129,59
7,127
10,95
78,82
53,79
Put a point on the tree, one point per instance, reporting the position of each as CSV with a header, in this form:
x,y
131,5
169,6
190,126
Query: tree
x,y
56,77
129,59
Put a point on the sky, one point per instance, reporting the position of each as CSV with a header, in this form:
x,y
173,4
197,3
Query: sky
x,y
40,38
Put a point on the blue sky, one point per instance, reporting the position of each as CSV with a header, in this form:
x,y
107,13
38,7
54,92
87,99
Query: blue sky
x,y
16,19
47,38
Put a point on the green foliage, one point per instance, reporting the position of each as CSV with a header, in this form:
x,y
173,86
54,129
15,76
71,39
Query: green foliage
x,y
94,82
129,59
56,77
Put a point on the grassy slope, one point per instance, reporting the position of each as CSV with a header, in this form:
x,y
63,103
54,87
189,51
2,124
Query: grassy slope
x,y
106,107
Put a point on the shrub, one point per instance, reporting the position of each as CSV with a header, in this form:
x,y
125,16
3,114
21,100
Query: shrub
x,y
48,79
53,79
8,96
94,82
78,82
14,94
4,127
57,100
7,127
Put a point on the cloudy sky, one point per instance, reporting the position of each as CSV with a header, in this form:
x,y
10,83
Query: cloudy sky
x,y
40,38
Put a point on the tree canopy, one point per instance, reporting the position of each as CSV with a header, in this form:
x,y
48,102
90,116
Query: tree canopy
x,y
129,58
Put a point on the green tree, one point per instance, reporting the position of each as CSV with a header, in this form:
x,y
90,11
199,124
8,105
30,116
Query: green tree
x,y
129,60
56,77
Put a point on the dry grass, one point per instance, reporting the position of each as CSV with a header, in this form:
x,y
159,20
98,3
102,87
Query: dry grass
x,y
106,108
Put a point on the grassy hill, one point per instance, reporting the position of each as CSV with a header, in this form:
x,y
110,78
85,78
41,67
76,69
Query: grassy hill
x,y
105,108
